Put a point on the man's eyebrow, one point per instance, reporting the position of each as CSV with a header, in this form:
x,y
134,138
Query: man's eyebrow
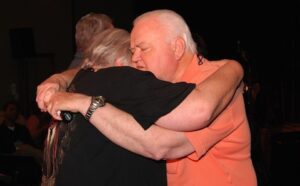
x,y
135,46
140,44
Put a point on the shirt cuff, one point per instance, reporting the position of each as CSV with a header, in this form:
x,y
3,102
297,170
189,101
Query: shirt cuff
x,y
193,138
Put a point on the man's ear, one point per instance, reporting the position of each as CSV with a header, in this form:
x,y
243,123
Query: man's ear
x,y
179,48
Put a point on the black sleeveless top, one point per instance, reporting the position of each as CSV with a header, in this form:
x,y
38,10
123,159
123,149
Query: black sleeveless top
x,y
92,159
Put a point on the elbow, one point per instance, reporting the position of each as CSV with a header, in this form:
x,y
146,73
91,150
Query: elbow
x,y
237,67
203,118
158,143
207,114
210,112
206,118
157,156
156,151
160,154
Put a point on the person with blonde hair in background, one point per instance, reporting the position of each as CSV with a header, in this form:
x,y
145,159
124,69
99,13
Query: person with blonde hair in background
x,y
86,27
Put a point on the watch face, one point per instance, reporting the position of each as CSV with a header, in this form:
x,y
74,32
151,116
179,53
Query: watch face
x,y
100,100
97,101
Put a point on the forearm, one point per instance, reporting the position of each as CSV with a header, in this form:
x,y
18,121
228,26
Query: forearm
x,y
208,99
156,143
122,129
219,88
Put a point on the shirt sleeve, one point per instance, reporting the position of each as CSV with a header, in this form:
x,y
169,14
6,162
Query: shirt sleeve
x,y
203,140
224,125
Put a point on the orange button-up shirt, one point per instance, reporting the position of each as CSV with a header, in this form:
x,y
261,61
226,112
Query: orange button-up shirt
x,y
222,150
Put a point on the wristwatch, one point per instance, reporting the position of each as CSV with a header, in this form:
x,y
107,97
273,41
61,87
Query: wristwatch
x,y
97,101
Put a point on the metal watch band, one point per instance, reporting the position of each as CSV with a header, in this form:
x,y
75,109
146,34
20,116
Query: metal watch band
x,y
97,101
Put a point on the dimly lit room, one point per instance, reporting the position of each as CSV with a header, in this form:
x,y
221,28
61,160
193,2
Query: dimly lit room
x,y
38,40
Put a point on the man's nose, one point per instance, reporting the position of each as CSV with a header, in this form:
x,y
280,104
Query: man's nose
x,y
135,56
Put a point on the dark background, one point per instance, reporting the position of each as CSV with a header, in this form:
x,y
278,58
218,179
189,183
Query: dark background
x,y
42,34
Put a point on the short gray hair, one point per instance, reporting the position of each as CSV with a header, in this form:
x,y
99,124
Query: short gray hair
x,y
175,25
